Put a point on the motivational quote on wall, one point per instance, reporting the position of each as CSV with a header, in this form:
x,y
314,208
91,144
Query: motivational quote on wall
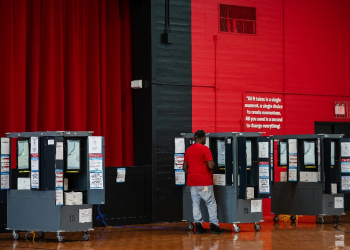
x,y
263,112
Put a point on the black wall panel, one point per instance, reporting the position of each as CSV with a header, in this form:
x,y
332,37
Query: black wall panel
x,y
143,127
3,218
128,202
172,104
142,70
174,115
166,69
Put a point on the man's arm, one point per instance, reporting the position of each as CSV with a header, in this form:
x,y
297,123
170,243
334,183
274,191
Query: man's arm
x,y
210,164
185,167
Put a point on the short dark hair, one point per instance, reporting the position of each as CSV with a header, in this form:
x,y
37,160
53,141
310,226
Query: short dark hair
x,y
199,134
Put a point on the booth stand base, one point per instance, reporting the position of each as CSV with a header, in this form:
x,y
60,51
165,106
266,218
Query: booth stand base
x,y
36,211
304,198
230,209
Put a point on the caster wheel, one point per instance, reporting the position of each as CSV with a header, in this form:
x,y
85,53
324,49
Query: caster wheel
x,y
41,234
257,227
191,226
293,218
15,236
236,228
321,220
60,238
86,236
276,218
336,219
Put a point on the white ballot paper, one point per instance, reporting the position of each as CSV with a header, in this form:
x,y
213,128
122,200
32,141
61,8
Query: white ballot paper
x,y
121,174
292,144
34,161
5,181
59,197
96,180
95,144
179,145
345,165
5,146
256,206
180,177
264,169
5,163
345,149
345,183
34,179
264,181
264,186
263,150
292,174
59,151
34,145
59,178
23,183
338,202
85,215
96,162
293,160
178,161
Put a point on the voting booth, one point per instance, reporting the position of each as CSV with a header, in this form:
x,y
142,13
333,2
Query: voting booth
x,y
242,176
54,181
315,174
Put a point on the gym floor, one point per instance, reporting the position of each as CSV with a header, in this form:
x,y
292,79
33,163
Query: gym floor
x,y
304,234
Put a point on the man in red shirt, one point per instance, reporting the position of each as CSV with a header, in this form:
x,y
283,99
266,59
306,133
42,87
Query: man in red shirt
x,y
198,165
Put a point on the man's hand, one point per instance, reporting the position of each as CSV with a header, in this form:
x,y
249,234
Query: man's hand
x,y
210,164
185,167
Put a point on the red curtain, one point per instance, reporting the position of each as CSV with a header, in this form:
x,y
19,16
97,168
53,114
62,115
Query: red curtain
x,y
66,65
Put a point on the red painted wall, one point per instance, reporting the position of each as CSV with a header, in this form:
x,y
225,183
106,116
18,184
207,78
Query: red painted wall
x,y
301,49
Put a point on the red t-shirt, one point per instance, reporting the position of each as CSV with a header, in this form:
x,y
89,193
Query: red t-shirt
x,y
196,157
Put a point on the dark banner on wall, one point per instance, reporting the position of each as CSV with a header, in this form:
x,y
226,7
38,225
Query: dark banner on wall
x,y
263,112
